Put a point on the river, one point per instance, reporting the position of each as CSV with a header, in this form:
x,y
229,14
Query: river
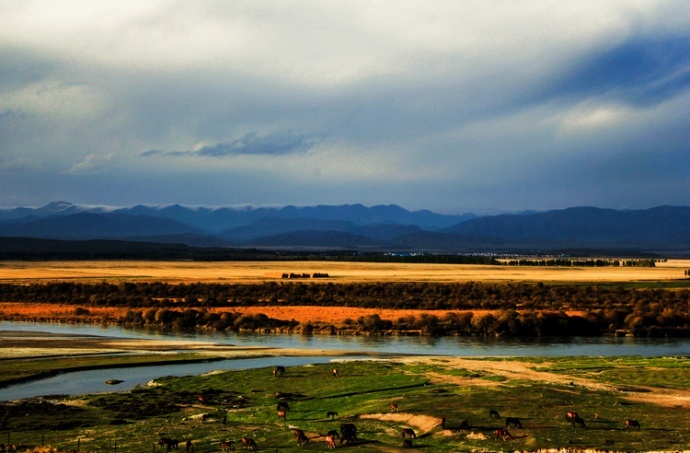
x,y
94,381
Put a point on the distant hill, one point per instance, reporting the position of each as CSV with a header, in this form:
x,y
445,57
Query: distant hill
x,y
664,229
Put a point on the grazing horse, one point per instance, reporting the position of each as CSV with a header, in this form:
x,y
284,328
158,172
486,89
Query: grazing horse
x,y
335,372
168,443
464,426
248,442
408,432
494,415
634,424
227,445
570,415
278,371
578,421
300,437
502,434
330,442
512,422
282,415
333,433
283,406
394,407
407,443
332,415
348,433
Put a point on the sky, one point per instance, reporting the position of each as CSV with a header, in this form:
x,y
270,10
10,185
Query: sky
x,y
455,106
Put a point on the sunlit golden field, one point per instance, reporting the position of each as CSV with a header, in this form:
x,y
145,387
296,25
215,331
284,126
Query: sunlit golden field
x,y
338,272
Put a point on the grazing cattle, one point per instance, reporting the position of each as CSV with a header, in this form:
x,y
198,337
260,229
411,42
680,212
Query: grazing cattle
x,y
300,437
227,445
188,446
248,442
512,422
330,442
408,432
571,415
348,433
335,372
578,421
494,415
407,443
502,434
168,443
394,407
282,415
634,424
332,415
464,426
283,406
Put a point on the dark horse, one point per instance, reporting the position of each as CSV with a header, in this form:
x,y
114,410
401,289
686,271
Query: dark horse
x,y
279,371
333,433
408,432
494,414
332,415
168,443
570,415
634,424
394,407
227,445
283,406
407,443
578,421
348,433
464,426
512,422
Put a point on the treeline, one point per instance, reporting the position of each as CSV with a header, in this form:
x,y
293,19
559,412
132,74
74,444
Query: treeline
x,y
517,308
570,262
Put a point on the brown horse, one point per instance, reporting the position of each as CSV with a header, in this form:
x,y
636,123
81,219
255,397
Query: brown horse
x,y
407,443
332,415
394,407
634,424
494,414
248,442
282,415
408,432
502,434
227,445
330,442
570,415
278,371
300,437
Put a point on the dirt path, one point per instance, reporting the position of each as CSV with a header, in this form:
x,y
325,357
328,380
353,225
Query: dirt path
x,y
521,370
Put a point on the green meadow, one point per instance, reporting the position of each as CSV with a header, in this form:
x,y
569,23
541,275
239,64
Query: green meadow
x,y
229,405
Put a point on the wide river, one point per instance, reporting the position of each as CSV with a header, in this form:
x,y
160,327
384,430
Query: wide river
x,y
94,381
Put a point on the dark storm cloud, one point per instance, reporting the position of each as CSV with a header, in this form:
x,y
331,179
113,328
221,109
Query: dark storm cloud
x,y
249,144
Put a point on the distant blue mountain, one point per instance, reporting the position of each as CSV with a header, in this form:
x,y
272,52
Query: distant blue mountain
x,y
664,228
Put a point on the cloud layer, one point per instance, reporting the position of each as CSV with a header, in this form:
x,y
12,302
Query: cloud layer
x,y
453,106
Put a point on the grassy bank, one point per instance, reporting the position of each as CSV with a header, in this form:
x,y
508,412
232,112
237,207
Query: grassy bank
x,y
538,392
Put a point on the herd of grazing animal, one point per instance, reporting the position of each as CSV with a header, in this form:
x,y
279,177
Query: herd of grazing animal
x,y
348,431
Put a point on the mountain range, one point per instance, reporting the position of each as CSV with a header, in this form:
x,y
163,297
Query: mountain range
x,y
664,229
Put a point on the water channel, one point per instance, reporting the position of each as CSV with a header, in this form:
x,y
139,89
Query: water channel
x,y
94,381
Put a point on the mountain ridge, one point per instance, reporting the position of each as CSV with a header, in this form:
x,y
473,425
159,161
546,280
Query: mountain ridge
x,y
357,227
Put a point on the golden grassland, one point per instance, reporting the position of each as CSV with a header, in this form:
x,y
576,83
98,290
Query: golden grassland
x,y
338,272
